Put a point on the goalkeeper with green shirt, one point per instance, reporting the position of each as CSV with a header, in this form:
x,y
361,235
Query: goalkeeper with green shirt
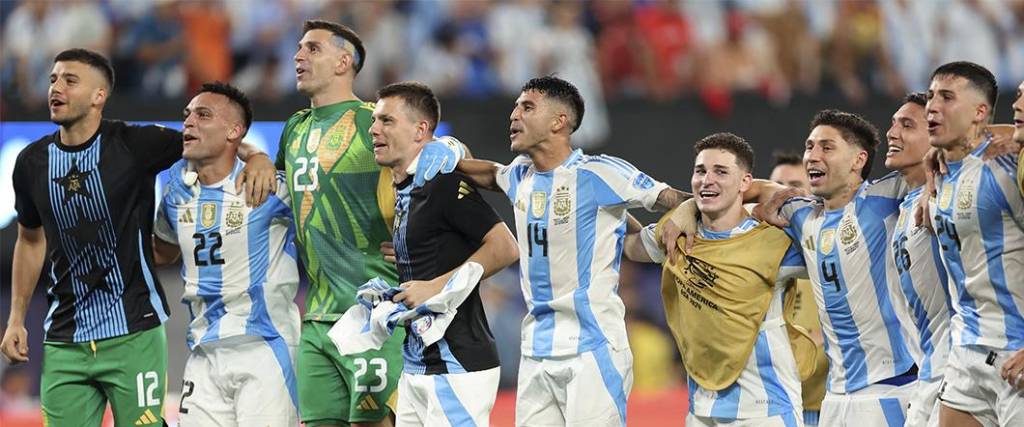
x,y
343,204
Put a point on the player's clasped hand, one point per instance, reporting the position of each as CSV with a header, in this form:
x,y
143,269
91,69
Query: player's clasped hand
x,y
387,249
440,155
258,180
15,344
417,292
1013,370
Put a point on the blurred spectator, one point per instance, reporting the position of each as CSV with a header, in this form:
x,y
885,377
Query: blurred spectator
x,y
664,45
566,49
654,351
27,51
617,59
440,64
1014,59
969,30
382,29
16,391
505,308
744,62
909,43
855,48
793,43
207,34
156,44
467,18
513,26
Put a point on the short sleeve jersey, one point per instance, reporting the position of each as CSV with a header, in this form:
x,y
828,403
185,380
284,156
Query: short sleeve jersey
x,y
437,228
571,223
95,203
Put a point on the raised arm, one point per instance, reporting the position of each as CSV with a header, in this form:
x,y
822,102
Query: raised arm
x,y
483,173
669,198
29,253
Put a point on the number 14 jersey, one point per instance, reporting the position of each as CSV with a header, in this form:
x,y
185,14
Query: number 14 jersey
x,y
570,224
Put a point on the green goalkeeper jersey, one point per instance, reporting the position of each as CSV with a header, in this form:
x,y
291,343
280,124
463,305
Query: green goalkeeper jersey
x,y
343,202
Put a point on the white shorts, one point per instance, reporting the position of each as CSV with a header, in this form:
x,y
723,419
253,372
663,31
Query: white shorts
x,y
789,419
875,405
973,384
588,389
447,399
240,382
924,405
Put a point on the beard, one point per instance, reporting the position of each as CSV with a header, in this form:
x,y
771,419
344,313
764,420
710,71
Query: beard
x,y
69,119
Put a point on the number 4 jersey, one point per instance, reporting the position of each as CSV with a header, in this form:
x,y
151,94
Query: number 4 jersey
x,y
846,251
238,263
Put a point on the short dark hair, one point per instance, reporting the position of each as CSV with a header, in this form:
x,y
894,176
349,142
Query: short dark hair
x,y
978,76
787,158
417,96
236,96
729,142
342,31
854,129
919,98
90,58
561,91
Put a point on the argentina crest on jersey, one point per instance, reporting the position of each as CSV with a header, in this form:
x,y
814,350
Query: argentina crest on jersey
x,y
561,206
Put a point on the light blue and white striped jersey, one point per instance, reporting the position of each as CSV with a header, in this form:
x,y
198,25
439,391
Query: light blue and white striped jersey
x,y
770,382
570,224
924,290
847,255
979,217
238,263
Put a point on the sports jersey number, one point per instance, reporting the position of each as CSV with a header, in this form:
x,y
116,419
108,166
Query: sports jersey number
x,y
215,258
830,274
187,387
948,229
380,370
145,394
307,166
537,234
901,254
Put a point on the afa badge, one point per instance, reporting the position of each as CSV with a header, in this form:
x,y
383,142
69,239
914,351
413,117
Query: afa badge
x,y
946,197
538,203
562,202
208,214
847,233
827,240
964,198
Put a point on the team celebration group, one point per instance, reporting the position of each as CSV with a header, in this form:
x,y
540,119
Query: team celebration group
x,y
818,297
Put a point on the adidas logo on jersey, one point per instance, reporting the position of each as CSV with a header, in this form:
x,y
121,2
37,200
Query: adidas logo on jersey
x,y
147,418
368,404
464,189
187,217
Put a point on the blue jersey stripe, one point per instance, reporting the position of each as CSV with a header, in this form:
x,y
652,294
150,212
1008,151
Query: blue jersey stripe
x,y
540,272
727,402
259,322
453,409
949,241
450,361
284,361
211,280
591,335
839,312
892,409
877,237
777,396
154,297
993,240
613,381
